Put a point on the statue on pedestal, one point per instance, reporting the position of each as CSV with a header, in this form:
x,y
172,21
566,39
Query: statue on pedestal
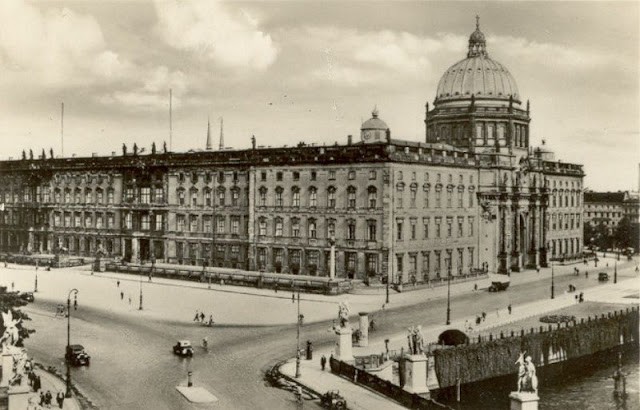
x,y
343,314
11,334
415,340
527,379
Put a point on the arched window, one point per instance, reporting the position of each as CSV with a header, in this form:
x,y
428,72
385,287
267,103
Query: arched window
x,y
88,198
351,197
78,196
279,196
312,228
413,192
221,196
262,196
373,196
331,197
313,197
207,197
181,196
235,197
99,196
295,197
194,197
331,228
351,229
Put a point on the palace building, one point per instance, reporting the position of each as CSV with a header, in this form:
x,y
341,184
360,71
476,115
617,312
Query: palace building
x,y
473,195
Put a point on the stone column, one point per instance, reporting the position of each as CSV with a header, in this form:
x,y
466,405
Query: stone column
x,y
332,261
344,350
502,255
7,369
515,252
523,401
533,248
544,225
364,329
416,374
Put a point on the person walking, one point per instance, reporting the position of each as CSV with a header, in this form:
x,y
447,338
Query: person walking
x,y
275,287
41,399
121,295
129,300
509,308
60,399
202,316
13,285
211,320
197,316
118,284
47,398
323,362
293,298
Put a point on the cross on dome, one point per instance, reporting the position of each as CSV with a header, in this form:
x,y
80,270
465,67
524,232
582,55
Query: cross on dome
x,y
477,42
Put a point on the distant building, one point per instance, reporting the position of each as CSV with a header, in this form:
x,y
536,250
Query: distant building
x,y
474,195
605,208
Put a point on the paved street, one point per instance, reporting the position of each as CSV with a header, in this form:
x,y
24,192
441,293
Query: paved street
x,y
132,364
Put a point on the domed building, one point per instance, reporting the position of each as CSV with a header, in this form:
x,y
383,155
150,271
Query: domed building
x,y
478,106
374,129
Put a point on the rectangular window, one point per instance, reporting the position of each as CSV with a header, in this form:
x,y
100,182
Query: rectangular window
x,y
438,231
295,201
399,259
145,223
295,228
145,195
159,224
128,221
413,229
180,223
193,223
438,198
460,199
471,196
471,222
77,220
413,264
220,225
332,174
296,176
331,199
399,230
313,198
372,174
111,221
262,197
263,176
128,195
262,227
371,230
425,223
87,221
471,261
351,231
235,197
313,175
449,227
460,227
449,195
278,176
56,219
278,227
207,197
235,225
278,198
110,196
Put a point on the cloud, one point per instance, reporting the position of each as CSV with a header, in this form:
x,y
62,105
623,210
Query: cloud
x,y
57,48
212,32
555,55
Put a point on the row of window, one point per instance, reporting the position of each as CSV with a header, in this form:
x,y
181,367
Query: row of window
x,y
88,220
43,195
565,198
565,221
605,214
295,227
194,177
439,261
312,197
437,228
195,223
207,197
568,246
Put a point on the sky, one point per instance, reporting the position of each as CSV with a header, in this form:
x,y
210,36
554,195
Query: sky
x,y
310,71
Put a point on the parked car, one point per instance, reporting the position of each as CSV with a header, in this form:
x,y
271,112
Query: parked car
x,y
28,296
603,276
77,356
333,400
183,348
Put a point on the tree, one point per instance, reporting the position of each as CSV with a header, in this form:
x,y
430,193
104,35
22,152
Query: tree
x,y
12,301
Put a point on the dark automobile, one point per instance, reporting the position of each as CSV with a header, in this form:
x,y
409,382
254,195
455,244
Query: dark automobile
x,y
333,400
28,296
603,276
77,356
183,348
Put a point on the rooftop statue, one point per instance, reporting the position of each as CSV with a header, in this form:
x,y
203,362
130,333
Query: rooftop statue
x,y
527,379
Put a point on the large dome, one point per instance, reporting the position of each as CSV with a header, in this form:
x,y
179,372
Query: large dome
x,y
477,75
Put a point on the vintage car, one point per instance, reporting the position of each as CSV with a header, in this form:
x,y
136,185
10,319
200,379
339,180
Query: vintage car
x,y
77,356
28,296
333,400
183,348
603,276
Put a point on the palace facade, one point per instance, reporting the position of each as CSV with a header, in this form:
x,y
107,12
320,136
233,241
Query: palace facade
x,y
474,195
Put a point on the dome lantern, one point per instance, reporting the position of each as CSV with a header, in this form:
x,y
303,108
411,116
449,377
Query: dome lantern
x,y
477,42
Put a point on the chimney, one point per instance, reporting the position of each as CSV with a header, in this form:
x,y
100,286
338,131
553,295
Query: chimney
x,y
349,139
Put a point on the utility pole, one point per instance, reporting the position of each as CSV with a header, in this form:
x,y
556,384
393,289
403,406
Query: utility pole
x,y
449,294
140,307
552,283
68,352
298,339
615,272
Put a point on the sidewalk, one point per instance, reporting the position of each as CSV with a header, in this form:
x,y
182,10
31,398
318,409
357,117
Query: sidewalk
x,y
359,397
54,385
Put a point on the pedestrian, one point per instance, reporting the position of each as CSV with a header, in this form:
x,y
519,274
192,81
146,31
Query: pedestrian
x,y
121,295
37,383
537,269
47,398
509,308
581,297
484,315
118,283
197,316
41,399
586,274
576,298
12,286
211,320
275,287
475,287
637,269
60,399
129,300
202,316
293,298
323,362
478,320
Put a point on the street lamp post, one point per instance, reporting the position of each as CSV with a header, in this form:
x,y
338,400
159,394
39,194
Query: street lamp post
x,y
298,339
35,289
552,283
140,307
615,272
449,295
68,352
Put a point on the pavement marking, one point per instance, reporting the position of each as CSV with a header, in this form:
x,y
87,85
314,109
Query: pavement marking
x,y
197,394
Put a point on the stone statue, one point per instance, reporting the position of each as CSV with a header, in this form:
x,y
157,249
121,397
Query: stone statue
x,y
415,340
527,379
19,366
11,334
343,314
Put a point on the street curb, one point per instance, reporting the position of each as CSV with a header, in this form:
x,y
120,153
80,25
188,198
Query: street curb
x,y
83,401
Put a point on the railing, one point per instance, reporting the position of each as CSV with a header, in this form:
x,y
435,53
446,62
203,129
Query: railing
x,y
308,284
385,387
